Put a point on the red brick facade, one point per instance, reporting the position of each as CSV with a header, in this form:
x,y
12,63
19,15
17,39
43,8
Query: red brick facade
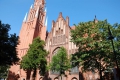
x,y
34,25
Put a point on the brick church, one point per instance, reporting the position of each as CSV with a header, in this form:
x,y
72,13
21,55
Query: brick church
x,y
35,25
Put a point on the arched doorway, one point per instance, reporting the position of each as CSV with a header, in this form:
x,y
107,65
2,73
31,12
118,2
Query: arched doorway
x,y
55,50
56,78
74,78
41,78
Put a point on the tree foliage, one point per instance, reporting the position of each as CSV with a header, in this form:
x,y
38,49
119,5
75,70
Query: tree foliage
x,y
116,35
60,61
94,49
3,72
35,57
8,43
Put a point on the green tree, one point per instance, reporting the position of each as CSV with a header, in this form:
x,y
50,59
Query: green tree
x,y
8,53
8,43
35,58
94,49
3,71
116,35
60,62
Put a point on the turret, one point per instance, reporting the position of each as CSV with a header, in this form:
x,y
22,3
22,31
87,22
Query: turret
x,y
95,20
25,18
46,21
67,20
36,15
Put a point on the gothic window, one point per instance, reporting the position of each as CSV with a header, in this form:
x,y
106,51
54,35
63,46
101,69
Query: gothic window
x,y
30,16
59,32
40,17
32,23
62,31
33,14
56,32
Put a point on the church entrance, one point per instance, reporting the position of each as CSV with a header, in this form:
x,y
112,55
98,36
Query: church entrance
x,y
74,78
56,78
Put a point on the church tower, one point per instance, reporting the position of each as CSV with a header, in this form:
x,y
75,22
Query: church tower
x,y
34,25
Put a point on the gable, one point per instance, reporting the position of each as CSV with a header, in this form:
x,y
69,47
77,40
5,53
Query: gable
x,y
59,27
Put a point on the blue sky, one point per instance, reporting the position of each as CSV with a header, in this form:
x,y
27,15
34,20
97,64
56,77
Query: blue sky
x,y
13,11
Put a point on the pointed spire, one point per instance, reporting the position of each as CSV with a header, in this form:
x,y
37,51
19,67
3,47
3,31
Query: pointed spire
x,y
36,15
25,18
53,22
95,20
31,6
95,17
60,14
46,21
45,9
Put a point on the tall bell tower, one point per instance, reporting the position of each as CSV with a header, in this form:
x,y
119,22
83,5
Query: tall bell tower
x,y
34,25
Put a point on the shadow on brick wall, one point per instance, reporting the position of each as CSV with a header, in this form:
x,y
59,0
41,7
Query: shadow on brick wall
x,y
12,76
